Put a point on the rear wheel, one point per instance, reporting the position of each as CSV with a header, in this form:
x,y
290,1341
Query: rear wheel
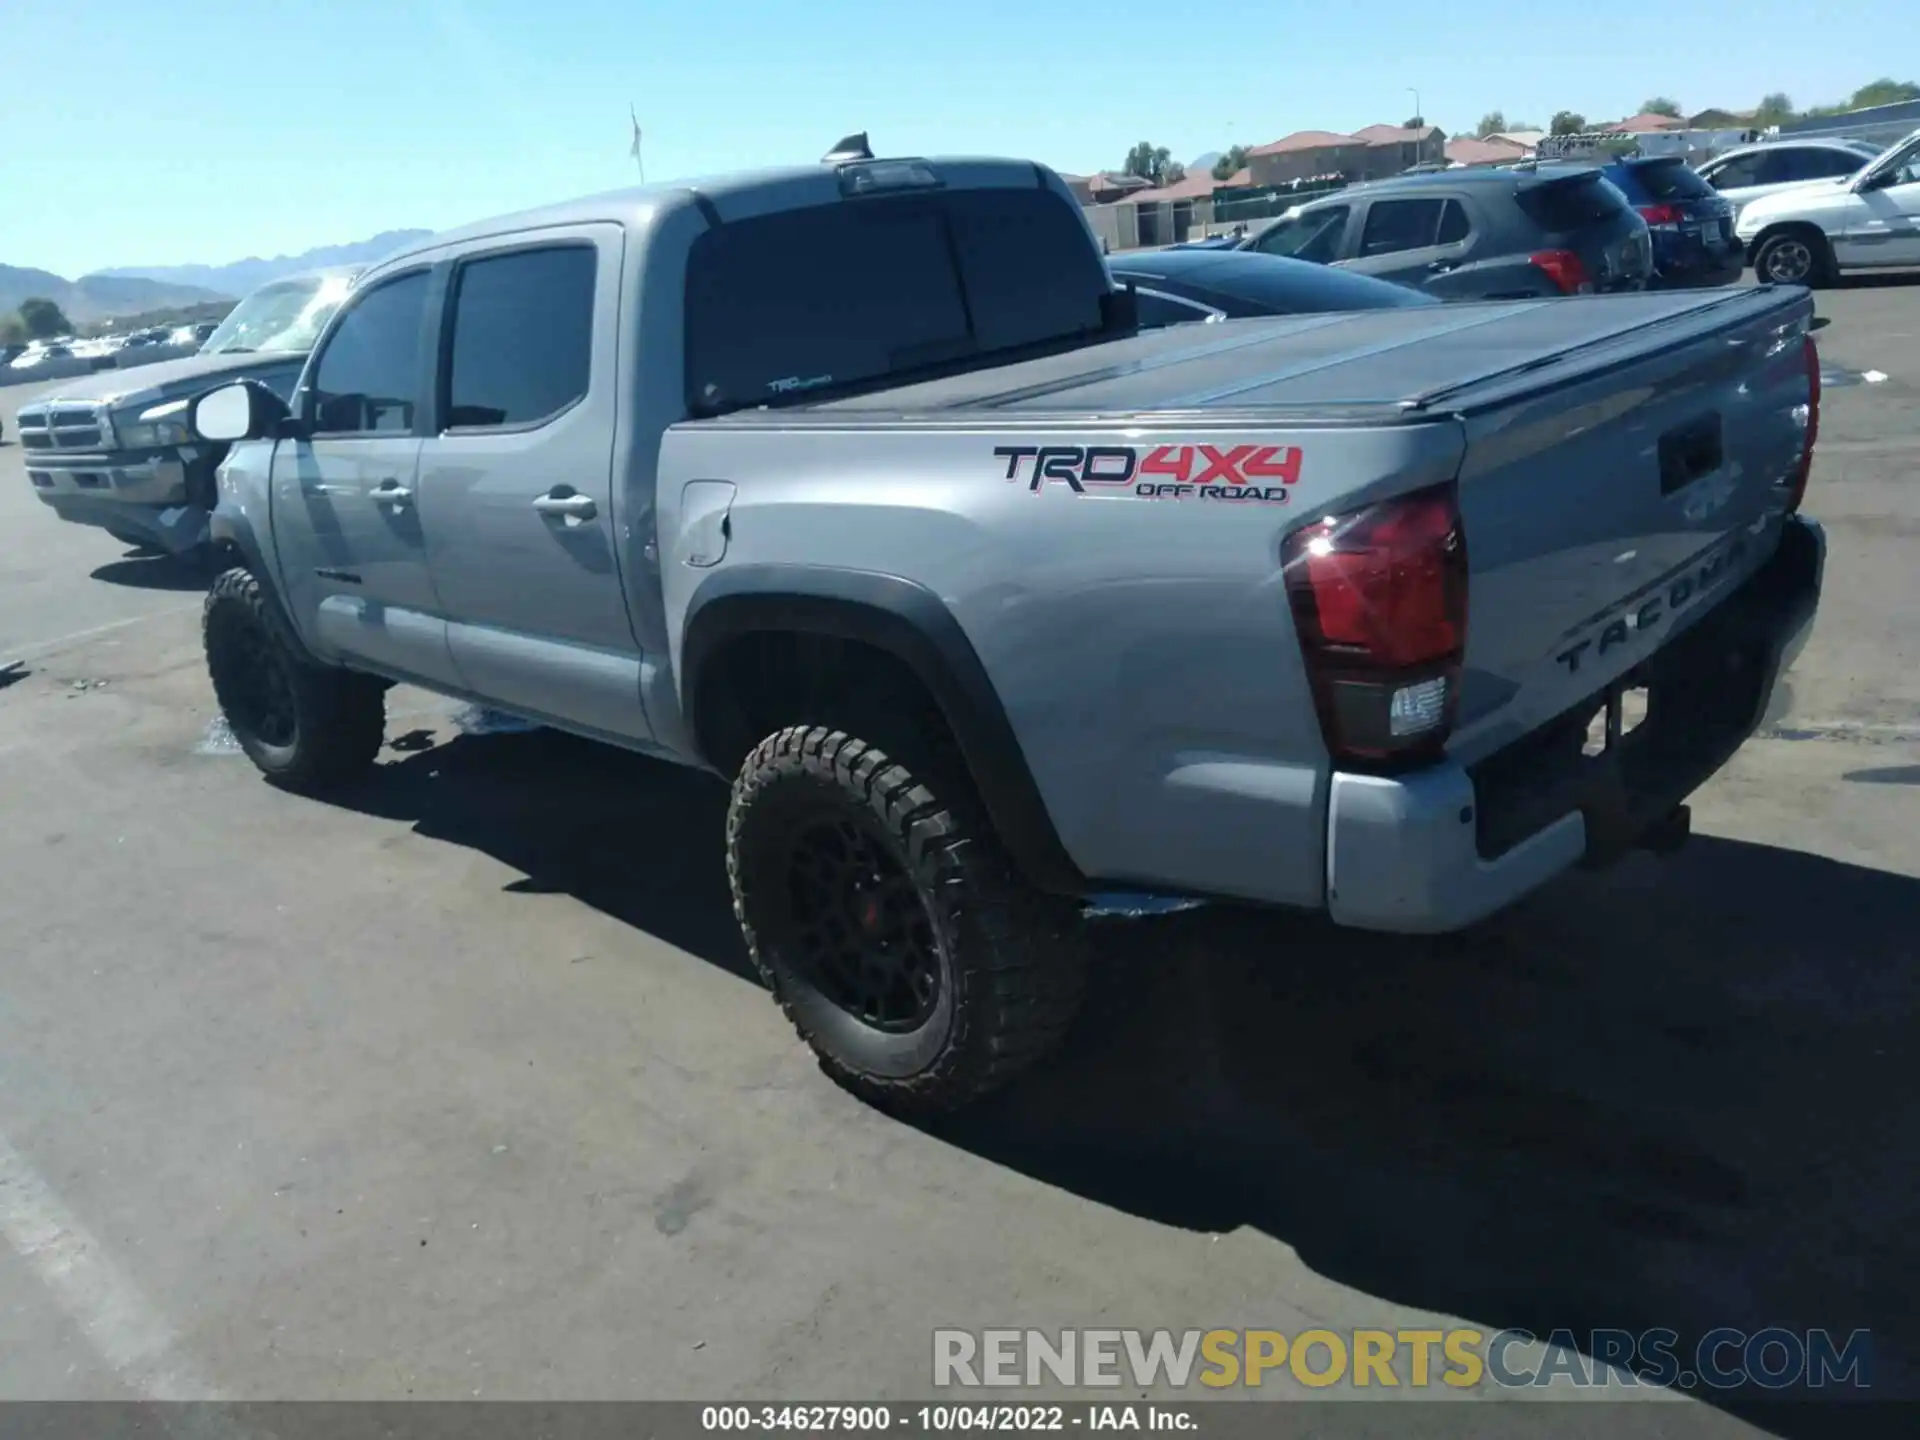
x,y
305,727
1800,256
890,926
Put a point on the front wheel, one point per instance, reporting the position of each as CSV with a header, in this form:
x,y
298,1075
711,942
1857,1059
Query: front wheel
x,y
305,727
889,925
1794,257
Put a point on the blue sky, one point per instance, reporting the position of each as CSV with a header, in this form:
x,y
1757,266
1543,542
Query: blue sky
x,y
209,130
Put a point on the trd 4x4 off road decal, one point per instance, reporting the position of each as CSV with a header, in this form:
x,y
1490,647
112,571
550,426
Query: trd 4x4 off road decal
x,y
1259,473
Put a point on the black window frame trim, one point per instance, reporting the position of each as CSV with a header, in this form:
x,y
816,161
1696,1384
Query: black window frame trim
x,y
304,406
447,313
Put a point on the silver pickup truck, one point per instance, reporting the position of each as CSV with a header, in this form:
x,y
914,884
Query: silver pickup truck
x,y
857,485
112,448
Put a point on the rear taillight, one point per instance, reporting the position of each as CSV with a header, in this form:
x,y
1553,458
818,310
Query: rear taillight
x,y
1379,600
1661,217
1797,486
1565,268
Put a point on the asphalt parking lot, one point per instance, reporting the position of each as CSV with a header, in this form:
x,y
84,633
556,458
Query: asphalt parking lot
x,y
459,1088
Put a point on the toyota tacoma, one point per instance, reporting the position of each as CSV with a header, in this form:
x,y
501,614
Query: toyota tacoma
x,y
859,485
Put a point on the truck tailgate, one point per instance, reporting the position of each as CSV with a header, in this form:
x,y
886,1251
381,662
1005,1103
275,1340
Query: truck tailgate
x,y
1613,493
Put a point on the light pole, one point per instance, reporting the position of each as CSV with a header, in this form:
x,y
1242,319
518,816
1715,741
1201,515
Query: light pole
x,y
1418,113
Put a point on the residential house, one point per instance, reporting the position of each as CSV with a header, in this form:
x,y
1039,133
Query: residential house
x,y
1484,152
1645,123
1393,149
1104,187
1307,155
1525,139
1164,214
1370,154
1716,119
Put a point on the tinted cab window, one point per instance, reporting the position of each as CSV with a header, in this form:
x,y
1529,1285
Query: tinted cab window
x,y
522,336
368,378
851,293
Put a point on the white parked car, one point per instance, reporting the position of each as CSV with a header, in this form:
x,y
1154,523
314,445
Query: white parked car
x,y
1746,174
1812,234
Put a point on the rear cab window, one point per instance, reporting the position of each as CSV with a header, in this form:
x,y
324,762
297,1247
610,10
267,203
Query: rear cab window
x,y
851,293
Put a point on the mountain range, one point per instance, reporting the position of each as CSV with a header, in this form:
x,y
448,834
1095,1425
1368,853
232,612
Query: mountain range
x,y
240,276
96,297
139,289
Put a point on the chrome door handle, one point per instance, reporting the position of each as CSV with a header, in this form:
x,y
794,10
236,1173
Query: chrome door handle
x,y
390,492
568,507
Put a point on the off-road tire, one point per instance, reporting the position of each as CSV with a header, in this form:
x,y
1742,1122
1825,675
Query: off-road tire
x,y
330,723
1820,267
1012,964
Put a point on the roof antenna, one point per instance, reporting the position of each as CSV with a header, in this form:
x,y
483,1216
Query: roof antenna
x,y
853,147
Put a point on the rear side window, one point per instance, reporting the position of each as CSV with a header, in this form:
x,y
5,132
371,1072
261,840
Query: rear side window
x,y
1571,203
852,292
369,374
522,336
1454,225
1670,180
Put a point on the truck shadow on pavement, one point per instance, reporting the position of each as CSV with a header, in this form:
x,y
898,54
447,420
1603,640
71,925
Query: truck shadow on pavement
x,y
1675,1095
140,570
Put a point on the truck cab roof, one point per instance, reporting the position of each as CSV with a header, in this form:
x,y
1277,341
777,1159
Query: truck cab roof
x,y
743,195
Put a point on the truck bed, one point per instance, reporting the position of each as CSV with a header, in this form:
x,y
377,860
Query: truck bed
x,y
1413,362
1621,465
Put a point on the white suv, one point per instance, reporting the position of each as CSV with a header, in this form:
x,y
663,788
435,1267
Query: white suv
x,y
1811,234
1746,174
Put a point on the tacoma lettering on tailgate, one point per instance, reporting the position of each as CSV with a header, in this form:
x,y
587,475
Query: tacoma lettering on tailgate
x,y
1649,611
1259,473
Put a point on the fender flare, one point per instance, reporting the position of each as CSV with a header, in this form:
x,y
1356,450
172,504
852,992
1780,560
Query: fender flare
x,y
908,621
229,529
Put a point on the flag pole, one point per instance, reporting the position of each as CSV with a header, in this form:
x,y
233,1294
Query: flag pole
x,y
638,160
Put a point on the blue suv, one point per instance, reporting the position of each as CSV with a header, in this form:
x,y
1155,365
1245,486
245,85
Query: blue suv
x,y
1691,225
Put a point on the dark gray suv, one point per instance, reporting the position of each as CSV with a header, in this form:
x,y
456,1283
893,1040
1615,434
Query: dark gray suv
x,y
1476,234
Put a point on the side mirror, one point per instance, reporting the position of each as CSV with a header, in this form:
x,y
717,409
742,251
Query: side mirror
x,y
244,410
1120,309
